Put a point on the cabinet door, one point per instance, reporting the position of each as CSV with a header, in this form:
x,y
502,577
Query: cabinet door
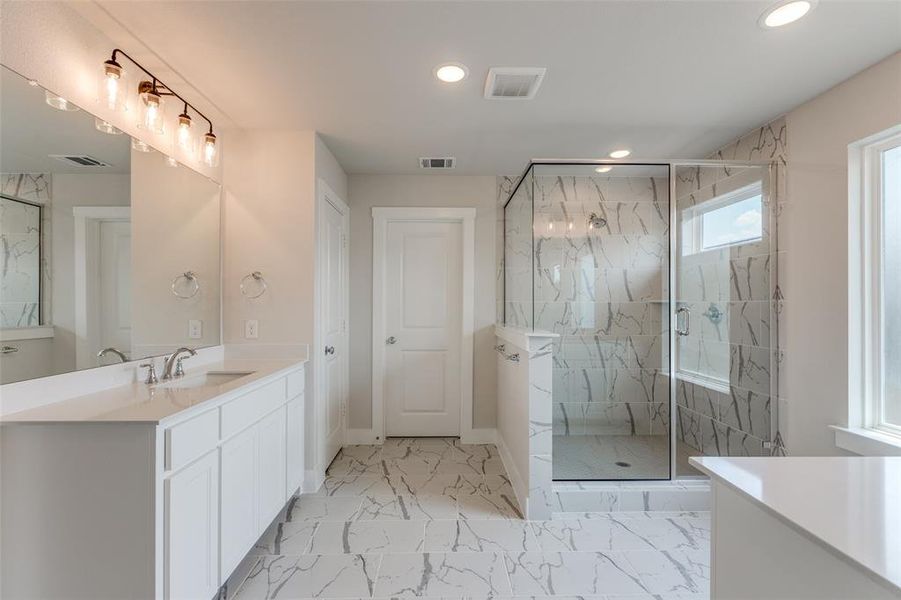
x,y
295,445
271,466
192,530
240,525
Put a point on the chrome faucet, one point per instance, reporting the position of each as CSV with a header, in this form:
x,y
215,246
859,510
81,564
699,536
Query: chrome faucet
x,y
174,360
121,356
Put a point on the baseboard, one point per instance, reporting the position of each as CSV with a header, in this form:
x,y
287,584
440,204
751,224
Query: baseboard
x,y
479,436
354,437
312,481
520,488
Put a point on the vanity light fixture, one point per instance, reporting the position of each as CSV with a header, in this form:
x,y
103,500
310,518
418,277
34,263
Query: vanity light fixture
x,y
785,12
451,72
620,153
604,169
58,102
152,92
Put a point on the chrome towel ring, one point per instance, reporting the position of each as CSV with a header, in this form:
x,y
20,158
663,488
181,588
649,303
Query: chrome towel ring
x,y
260,283
190,281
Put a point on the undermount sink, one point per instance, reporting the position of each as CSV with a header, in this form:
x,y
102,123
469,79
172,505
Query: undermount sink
x,y
208,379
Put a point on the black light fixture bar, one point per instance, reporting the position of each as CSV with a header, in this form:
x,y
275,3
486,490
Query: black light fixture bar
x,y
157,84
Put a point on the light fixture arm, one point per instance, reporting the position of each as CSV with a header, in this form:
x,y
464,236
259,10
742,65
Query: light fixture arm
x,y
156,84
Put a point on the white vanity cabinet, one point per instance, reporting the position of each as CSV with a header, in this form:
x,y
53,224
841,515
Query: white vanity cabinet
x,y
162,508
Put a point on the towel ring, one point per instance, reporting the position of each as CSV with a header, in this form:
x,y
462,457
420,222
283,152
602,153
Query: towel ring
x,y
258,277
188,276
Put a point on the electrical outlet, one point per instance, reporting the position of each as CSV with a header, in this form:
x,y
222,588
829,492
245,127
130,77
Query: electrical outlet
x,y
251,329
195,329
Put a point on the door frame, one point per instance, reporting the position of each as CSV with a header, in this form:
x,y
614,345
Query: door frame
x,y
87,272
325,194
381,217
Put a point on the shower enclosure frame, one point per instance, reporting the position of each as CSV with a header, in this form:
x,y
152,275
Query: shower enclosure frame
x,y
773,446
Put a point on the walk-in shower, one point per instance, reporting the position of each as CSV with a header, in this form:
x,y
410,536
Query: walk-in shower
x,y
659,279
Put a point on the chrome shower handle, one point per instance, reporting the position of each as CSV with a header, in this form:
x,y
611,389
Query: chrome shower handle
x,y
687,312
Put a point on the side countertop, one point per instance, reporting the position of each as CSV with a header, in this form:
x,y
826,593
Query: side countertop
x,y
142,403
849,505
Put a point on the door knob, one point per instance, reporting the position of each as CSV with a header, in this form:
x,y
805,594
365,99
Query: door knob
x,y
329,350
391,341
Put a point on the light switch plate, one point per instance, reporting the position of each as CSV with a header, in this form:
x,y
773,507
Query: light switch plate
x,y
251,329
195,329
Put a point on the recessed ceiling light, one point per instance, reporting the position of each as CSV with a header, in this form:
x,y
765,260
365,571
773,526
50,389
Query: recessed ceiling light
x,y
785,12
620,153
605,169
451,72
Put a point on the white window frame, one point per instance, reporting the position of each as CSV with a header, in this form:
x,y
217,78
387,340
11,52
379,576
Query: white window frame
x,y
695,216
865,352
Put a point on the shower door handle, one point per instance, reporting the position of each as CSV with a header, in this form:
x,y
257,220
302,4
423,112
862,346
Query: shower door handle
x,y
683,310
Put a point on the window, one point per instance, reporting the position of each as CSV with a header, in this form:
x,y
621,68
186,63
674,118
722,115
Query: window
x,y
728,220
875,279
20,271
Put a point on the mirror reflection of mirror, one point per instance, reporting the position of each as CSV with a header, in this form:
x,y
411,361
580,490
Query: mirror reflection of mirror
x,y
94,229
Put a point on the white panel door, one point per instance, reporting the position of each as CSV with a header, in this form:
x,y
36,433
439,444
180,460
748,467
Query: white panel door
x,y
423,317
271,471
333,298
192,530
115,286
240,525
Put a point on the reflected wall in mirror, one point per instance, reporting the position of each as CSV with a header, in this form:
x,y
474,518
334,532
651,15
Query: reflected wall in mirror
x,y
96,239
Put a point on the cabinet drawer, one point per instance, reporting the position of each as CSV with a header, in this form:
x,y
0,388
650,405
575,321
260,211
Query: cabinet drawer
x,y
295,383
250,408
186,441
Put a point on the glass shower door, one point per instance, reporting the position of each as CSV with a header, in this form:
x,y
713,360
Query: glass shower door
x,y
723,311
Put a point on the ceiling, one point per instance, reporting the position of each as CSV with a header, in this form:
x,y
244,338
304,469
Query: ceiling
x,y
31,131
665,78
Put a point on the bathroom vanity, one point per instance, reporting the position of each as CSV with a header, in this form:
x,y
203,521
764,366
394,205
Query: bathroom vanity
x,y
149,491
817,528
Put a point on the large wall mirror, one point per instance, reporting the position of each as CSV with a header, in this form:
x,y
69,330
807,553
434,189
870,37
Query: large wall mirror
x,y
108,250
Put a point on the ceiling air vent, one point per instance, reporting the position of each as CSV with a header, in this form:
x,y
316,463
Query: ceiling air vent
x,y
446,162
513,83
82,160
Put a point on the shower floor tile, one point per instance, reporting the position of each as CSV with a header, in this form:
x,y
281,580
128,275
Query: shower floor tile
x,y
617,457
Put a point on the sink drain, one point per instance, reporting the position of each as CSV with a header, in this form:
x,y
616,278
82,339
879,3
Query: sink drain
x,y
622,464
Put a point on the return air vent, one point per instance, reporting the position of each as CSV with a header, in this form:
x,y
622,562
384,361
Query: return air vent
x,y
513,83
82,160
445,162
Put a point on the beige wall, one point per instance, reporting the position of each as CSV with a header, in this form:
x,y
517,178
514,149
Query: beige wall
x,y
367,191
815,233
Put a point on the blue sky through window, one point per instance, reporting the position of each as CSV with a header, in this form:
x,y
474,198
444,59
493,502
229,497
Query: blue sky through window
x,y
733,223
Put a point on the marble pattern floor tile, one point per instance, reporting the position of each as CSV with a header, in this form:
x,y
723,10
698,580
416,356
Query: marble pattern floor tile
x,y
431,518
311,576
497,535
443,574
368,537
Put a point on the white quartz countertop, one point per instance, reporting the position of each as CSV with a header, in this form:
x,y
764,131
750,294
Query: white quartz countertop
x,y
142,403
851,505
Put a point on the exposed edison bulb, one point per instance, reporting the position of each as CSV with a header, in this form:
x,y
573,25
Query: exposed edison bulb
x,y
112,85
210,151
58,102
151,108
184,134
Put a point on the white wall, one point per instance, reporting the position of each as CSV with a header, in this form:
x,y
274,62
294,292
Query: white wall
x,y
367,191
815,228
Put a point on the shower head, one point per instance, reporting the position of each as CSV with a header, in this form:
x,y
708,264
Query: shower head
x,y
596,221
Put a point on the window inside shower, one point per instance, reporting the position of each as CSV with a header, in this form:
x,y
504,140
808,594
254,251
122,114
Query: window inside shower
x,y
661,355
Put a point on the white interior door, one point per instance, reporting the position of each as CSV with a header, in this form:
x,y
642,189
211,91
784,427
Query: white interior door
x,y
333,323
423,318
114,315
